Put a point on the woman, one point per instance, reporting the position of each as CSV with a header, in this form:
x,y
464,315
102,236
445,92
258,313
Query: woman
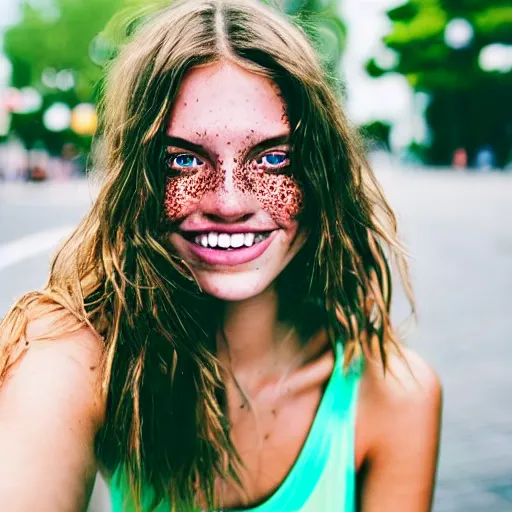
x,y
216,333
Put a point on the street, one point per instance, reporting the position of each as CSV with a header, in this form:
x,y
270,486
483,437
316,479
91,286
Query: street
x,y
457,228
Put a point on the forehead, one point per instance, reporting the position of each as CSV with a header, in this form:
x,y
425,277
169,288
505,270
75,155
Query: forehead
x,y
225,101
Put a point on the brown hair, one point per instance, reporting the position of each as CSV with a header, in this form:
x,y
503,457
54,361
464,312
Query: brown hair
x,y
166,425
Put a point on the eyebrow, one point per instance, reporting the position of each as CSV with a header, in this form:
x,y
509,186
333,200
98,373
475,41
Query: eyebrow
x,y
279,140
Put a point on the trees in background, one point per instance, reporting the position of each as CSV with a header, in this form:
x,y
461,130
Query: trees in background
x,y
458,51
52,50
57,49
322,21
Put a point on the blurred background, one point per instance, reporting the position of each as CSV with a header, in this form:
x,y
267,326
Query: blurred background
x,y
427,83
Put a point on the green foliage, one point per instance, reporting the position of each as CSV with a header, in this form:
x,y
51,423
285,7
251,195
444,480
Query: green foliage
x,y
494,22
427,24
321,21
448,74
58,40
403,12
426,60
376,134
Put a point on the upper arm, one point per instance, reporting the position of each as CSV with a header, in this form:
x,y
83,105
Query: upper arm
x,y
50,412
404,409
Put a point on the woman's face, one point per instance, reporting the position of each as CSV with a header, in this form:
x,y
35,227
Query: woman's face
x,y
230,193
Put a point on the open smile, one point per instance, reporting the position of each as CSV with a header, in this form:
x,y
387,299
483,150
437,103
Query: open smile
x,y
217,248
226,241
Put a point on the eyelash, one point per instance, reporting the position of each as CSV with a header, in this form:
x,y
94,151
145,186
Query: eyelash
x,y
171,157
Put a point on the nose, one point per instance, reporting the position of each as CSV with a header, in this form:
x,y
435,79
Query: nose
x,y
228,203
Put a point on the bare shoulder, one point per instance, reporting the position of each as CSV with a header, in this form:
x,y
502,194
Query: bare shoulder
x,y
65,364
51,409
80,341
405,397
408,380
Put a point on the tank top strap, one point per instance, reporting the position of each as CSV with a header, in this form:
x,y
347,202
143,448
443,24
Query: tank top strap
x,y
346,384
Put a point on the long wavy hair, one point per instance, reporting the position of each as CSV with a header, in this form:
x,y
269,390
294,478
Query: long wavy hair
x,y
166,425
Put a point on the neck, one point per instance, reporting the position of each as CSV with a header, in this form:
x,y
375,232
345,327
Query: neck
x,y
254,341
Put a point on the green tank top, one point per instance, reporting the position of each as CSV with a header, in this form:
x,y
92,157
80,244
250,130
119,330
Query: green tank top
x,y
323,476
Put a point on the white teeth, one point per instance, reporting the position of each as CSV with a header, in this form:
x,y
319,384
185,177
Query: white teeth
x,y
248,239
213,239
237,240
227,241
224,240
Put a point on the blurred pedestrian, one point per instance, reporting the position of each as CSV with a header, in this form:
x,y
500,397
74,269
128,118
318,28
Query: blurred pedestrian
x,y
460,159
38,162
485,159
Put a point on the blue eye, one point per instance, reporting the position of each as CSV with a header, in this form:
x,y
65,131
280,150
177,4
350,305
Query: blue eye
x,y
186,161
274,160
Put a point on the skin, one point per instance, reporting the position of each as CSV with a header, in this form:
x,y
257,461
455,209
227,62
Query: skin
x,y
47,430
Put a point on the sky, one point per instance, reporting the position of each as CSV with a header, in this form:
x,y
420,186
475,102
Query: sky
x,y
8,12
388,98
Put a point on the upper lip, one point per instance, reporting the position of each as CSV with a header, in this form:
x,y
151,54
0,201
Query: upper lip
x,y
225,228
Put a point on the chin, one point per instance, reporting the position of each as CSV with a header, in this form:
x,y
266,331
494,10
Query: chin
x,y
233,287
240,282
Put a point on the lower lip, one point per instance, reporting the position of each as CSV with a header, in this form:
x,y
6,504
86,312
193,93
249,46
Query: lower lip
x,y
233,256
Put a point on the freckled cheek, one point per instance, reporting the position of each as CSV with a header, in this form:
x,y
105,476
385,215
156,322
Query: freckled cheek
x,y
182,194
281,196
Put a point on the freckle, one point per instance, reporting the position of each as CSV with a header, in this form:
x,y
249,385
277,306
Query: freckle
x,y
92,368
274,413
267,436
242,406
